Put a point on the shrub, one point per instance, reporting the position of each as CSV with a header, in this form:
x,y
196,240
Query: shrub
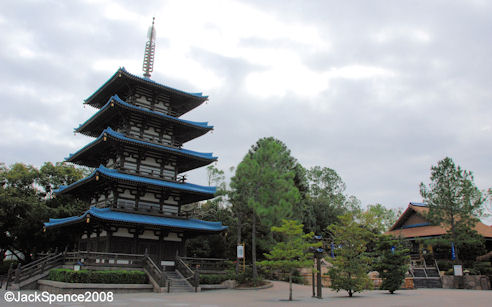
x,y
246,278
445,265
4,267
214,279
483,268
98,277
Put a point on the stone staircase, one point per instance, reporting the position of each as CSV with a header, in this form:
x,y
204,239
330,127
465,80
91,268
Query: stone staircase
x,y
177,283
26,277
425,276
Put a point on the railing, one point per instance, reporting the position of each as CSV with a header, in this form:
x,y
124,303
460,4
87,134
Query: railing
x,y
23,273
437,267
206,265
193,277
157,274
104,259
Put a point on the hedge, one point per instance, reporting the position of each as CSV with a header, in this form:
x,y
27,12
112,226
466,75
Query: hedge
x,y
214,279
98,277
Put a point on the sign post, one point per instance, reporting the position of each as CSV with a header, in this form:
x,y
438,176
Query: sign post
x,y
240,255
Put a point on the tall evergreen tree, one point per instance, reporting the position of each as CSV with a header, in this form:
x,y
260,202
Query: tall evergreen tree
x,y
453,200
351,262
264,186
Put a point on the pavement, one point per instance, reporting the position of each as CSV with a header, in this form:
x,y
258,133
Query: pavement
x,y
278,296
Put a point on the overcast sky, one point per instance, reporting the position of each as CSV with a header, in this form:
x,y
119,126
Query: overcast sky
x,y
377,90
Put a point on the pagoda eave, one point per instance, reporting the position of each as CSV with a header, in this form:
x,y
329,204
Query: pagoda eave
x,y
116,111
109,141
102,178
121,80
94,215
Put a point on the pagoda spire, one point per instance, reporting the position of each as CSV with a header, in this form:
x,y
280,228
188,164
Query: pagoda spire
x,y
148,62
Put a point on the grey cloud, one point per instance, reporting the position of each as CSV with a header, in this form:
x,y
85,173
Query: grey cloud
x,y
381,134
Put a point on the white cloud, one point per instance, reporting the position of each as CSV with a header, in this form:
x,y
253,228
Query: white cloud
x,y
386,35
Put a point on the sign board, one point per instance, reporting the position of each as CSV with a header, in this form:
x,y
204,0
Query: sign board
x,y
240,251
458,270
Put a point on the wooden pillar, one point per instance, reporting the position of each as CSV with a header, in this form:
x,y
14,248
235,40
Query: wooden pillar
x,y
136,232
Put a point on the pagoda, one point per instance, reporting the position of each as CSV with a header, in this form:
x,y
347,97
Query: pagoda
x,y
136,190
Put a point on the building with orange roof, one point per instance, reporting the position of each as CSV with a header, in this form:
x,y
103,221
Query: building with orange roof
x,y
413,225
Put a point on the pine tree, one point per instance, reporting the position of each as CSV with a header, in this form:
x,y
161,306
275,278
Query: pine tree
x,y
453,200
392,262
351,262
264,186
292,252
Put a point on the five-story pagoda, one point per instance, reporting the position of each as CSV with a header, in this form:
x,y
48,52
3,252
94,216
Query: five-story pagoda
x,y
135,191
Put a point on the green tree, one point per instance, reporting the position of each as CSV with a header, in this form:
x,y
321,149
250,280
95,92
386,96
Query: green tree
x,y
351,263
453,200
325,199
25,205
392,262
377,218
292,252
264,185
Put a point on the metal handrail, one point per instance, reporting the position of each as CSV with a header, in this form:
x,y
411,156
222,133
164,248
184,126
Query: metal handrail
x,y
188,273
437,267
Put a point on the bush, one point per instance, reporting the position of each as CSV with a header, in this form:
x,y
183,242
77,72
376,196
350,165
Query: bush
x,y
4,267
484,268
214,279
445,265
98,277
246,278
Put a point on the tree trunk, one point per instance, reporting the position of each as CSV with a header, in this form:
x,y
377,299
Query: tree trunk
x,y
350,293
290,286
253,248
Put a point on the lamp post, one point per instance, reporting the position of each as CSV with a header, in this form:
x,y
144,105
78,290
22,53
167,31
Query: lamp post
x,y
317,254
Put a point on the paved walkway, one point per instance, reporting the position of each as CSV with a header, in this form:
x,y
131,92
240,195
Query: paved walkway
x,y
278,295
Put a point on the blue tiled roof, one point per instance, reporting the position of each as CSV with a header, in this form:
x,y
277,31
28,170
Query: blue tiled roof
x,y
118,100
109,215
418,204
114,174
148,80
120,136
200,95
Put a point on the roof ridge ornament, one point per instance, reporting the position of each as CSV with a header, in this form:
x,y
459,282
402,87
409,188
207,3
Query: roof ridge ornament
x,y
148,62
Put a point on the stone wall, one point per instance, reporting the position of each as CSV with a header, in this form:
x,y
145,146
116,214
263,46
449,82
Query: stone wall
x,y
376,281
474,282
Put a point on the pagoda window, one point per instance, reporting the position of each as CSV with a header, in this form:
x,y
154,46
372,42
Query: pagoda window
x,y
134,132
127,194
127,204
111,163
110,198
146,206
122,232
149,197
172,236
142,101
131,166
166,139
170,201
169,210
149,234
169,175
